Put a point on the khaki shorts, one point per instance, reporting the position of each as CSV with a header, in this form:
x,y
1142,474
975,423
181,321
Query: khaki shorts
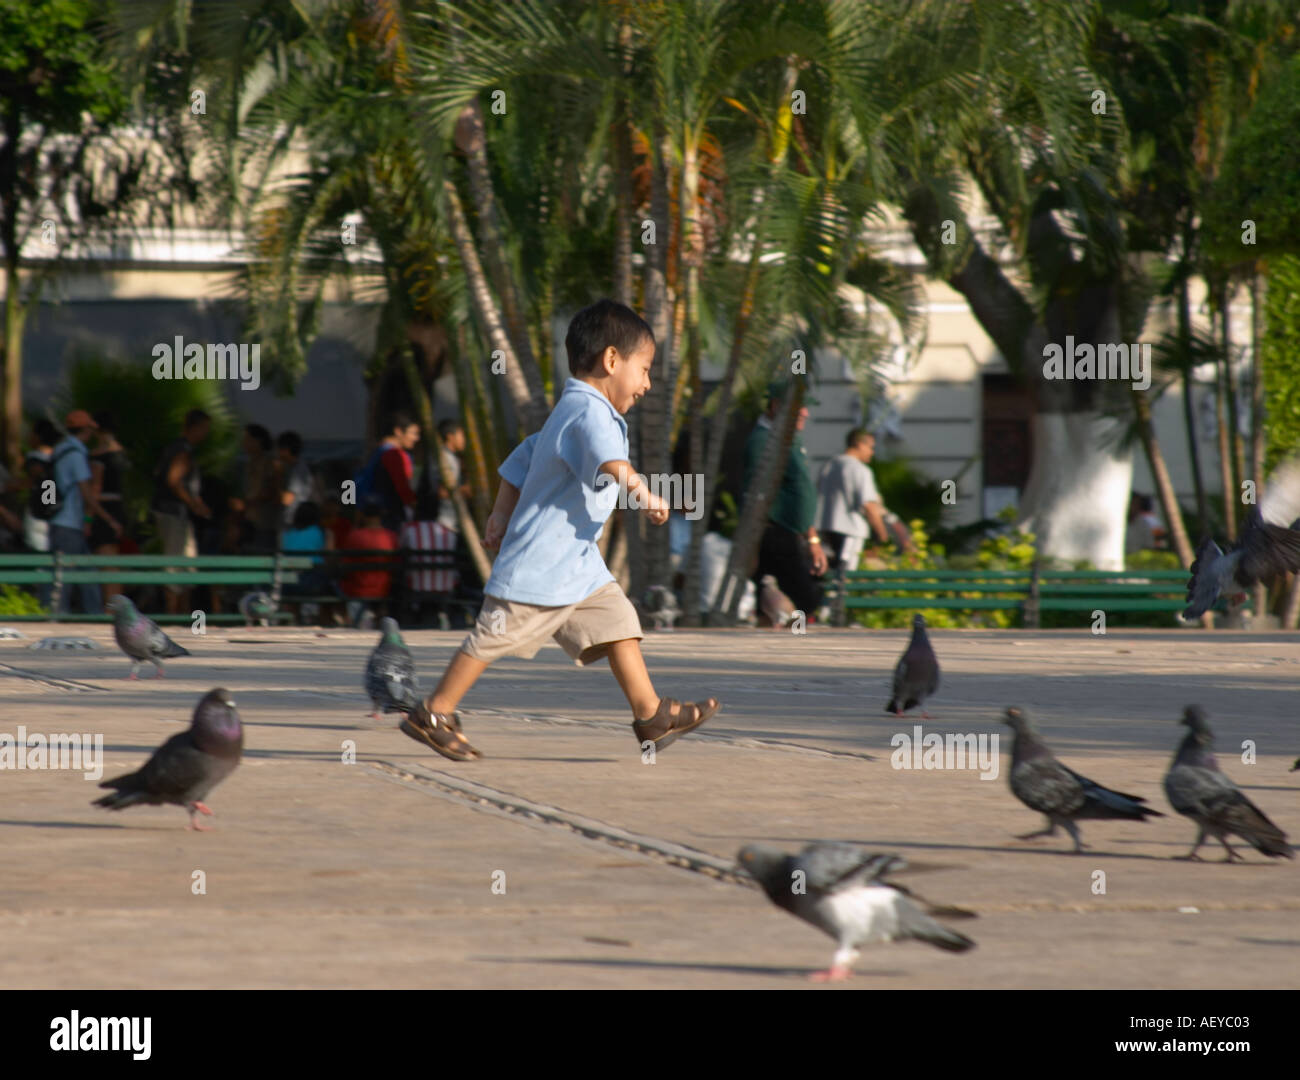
x,y
584,630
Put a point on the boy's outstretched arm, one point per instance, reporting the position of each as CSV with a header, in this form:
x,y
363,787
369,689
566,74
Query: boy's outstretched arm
x,y
639,496
499,520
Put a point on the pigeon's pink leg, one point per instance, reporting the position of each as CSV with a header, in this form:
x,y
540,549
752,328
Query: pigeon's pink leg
x,y
925,715
835,974
197,827
202,809
133,675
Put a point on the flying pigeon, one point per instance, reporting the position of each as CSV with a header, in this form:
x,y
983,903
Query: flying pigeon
x,y
257,607
917,675
1063,796
1267,548
140,637
662,607
390,674
841,890
1197,789
187,766
773,603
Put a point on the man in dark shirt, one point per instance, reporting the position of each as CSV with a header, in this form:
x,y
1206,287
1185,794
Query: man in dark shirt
x,y
790,549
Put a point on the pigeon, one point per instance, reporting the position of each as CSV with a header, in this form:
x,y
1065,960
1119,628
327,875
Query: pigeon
x,y
917,675
1266,550
1061,795
140,637
841,890
390,674
257,607
1197,789
187,766
662,607
773,603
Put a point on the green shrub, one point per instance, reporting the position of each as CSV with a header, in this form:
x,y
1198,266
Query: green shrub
x,y
16,601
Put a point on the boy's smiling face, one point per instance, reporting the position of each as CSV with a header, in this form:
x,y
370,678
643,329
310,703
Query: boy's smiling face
x,y
623,379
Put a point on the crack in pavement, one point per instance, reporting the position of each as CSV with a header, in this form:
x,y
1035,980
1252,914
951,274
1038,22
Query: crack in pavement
x,y
479,796
49,680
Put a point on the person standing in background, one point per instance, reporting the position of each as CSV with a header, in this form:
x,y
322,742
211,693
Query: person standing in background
x,y
176,497
791,549
294,477
849,507
76,496
452,435
259,500
108,465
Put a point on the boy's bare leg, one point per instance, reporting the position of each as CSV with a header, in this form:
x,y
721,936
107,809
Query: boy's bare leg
x,y
461,674
436,725
628,665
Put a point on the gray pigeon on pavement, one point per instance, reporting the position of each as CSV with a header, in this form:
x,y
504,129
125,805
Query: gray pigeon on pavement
x,y
140,637
390,674
661,605
1267,548
916,676
1197,789
257,607
841,890
187,766
773,603
1061,795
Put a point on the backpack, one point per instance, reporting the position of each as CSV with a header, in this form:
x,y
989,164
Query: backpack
x,y
364,479
41,471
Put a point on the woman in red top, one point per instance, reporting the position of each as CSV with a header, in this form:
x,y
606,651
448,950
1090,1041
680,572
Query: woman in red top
x,y
371,534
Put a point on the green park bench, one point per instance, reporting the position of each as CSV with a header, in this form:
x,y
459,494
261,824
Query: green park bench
x,y
253,573
1029,592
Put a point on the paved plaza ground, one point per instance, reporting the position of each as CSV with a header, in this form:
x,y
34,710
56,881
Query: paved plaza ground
x,y
562,860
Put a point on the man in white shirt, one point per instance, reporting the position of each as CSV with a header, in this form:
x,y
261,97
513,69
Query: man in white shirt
x,y
849,507
453,445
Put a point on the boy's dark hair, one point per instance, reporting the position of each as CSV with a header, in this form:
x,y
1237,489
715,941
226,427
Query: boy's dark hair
x,y
291,441
45,431
858,435
195,417
307,515
600,325
401,421
448,427
259,433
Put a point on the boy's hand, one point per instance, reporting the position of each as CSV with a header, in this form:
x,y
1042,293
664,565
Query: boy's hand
x,y
497,523
655,507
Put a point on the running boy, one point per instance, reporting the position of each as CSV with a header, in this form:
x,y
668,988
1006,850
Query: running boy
x,y
549,580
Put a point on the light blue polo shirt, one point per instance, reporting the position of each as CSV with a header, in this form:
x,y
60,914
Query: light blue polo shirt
x,y
71,468
549,555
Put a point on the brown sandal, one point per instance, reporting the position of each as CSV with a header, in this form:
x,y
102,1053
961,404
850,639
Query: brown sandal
x,y
439,732
672,720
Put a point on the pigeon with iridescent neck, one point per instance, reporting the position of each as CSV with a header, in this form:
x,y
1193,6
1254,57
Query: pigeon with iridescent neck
x,y
140,637
390,674
187,766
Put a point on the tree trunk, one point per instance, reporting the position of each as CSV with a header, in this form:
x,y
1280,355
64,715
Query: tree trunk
x,y
529,410
757,501
423,402
655,418
1189,400
1220,410
471,140
1258,296
15,317
776,153
1164,485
